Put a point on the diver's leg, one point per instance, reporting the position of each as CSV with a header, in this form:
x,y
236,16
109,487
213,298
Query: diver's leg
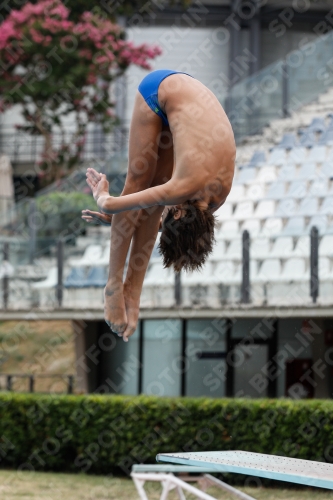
x,y
144,239
144,136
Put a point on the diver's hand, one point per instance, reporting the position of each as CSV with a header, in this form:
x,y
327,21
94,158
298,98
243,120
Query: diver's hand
x,y
97,217
98,183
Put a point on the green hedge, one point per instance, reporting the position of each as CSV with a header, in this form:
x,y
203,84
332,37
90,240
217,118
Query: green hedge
x,y
104,434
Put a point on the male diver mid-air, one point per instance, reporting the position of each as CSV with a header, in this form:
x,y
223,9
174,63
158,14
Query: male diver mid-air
x,y
181,162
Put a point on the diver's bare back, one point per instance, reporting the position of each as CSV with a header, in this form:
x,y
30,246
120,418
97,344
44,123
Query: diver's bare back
x,y
204,144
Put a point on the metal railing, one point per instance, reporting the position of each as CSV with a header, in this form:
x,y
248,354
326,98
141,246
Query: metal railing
x,y
27,149
31,378
19,288
281,88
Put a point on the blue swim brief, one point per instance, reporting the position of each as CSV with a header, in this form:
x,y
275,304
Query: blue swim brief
x,y
148,88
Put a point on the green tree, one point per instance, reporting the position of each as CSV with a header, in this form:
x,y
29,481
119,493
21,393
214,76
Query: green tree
x,y
54,67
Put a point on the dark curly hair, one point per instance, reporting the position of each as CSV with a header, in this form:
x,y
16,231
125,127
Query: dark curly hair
x,y
186,242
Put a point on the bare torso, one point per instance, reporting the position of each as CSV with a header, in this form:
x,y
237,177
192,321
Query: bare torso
x,y
204,145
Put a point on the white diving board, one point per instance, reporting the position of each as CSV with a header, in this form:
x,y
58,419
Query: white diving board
x,y
294,470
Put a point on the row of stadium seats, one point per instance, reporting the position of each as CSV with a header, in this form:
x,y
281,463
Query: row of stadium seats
x,y
278,157
277,190
309,143
78,277
288,171
96,255
275,226
262,248
226,255
272,281
286,207
229,272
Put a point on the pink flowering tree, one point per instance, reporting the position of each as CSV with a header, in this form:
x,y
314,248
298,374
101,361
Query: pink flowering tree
x,y
54,67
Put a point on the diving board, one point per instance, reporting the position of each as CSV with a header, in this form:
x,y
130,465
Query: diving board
x,y
294,470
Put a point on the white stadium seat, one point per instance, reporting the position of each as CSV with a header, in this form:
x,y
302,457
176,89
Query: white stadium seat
x,y
229,229
287,173
276,190
282,247
326,246
234,250
45,289
218,250
252,226
104,258
327,206
224,272
324,269
266,174
255,192
318,154
158,286
302,248
246,175
297,155
244,210
286,207
272,226
277,157
265,208
330,155
294,226
294,270
200,277
260,248
320,221
319,187
297,189
237,193
50,281
308,207
308,171
270,270
91,254
224,212
326,169
158,275
236,278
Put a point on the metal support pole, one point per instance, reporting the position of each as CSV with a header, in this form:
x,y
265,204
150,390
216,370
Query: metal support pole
x,y
314,274
245,287
70,384
141,360
5,279
31,383
235,30
285,90
178,289
229,379
60,264
32,230
9,382
255,42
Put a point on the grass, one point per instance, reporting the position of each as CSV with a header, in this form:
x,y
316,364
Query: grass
x,y
25,485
